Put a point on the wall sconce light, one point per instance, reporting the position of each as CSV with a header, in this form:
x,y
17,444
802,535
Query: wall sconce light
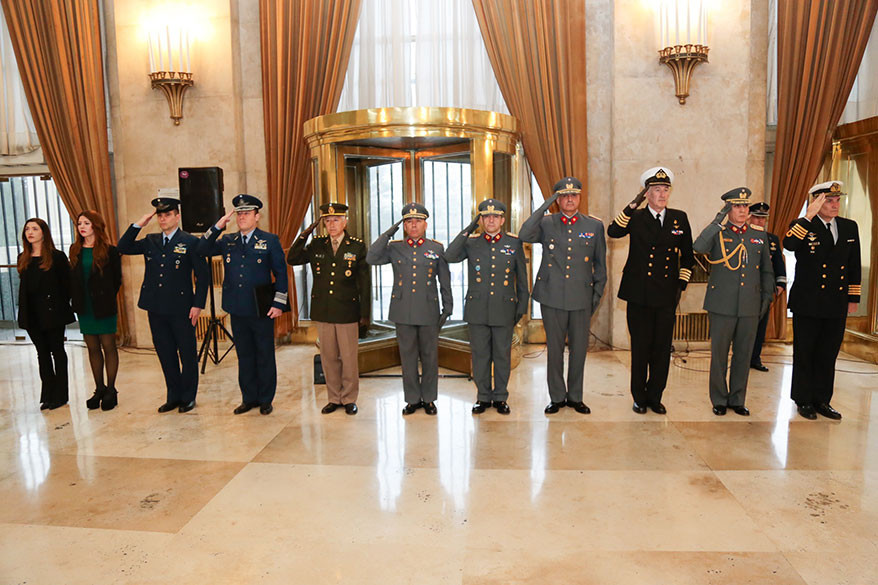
x,y
169,68
683,32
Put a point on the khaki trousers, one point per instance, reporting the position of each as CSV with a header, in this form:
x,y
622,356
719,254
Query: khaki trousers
x,y
338,355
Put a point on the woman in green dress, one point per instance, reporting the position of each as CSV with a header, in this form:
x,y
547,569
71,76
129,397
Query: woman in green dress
x,y
95,280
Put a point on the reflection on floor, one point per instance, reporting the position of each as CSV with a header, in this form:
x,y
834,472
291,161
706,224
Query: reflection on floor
x,y
131,496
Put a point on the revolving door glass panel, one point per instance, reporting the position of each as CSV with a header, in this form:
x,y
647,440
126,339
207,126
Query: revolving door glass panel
x,y
385,199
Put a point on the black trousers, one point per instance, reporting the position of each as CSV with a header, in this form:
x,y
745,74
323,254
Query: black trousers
x,y
52,360
816,343
756,358
174,339
652,331
257,368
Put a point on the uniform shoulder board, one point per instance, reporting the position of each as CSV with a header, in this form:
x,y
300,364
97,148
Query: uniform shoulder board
x,y
511,235
475,235
757,227
596,217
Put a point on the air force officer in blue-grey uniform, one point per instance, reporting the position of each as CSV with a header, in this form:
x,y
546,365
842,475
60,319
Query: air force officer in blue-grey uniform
x,y
496,299
417,263
251,257
569,286
166,295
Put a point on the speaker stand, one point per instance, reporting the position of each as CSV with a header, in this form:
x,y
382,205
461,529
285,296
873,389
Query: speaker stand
x,y
209,347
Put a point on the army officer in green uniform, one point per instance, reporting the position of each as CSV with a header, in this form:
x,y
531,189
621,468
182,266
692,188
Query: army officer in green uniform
x,y
739,292
496,299
339,301
418,263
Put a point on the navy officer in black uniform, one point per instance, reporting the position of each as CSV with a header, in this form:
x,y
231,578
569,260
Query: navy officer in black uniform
x,y
759,217
496,299
569,286
825,290
339,301
252,258
414,309
166,295
658,268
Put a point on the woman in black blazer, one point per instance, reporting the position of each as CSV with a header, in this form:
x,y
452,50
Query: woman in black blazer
x,y
96,277
44,307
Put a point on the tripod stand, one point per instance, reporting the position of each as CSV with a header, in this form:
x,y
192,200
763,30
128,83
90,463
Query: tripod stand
x,y
212,334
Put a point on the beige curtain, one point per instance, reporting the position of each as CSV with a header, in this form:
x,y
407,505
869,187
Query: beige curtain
x,y
820,44
57,44
305,51
537,50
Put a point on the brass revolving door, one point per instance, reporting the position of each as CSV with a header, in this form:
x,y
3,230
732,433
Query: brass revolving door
x,y
448,159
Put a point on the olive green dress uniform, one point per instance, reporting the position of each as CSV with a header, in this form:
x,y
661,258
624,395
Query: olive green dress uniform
x,y
339,300
496,299
739,292
828,277
657,270
569,286
418,267
780,280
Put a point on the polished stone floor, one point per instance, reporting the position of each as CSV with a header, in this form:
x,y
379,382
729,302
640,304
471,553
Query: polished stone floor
x,y
131,496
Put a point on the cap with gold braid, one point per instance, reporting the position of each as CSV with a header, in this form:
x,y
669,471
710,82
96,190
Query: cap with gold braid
x,y
329,209
568,185
414,211
492,207
737,196
830,189
656,176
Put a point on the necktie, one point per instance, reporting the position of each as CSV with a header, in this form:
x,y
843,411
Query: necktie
x,y
166,241
245,239
658,220
335,244
829,229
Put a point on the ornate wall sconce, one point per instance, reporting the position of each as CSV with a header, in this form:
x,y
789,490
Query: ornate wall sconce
x,y
169,68
683,32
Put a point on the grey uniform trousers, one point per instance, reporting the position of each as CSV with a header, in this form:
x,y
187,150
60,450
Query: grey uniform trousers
x,y
739,334
491,346
561,325
419,341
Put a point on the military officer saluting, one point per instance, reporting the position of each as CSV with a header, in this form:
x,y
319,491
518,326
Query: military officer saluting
x,y
252,258
569,287
739,292
339,301
496,299
825,290
658,268
417,263
758,218
167,297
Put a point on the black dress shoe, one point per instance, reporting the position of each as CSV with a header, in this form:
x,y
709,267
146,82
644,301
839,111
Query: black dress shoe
x,y
59,404
44,406
827,411
187,406
430,408
266,409
411,408
351,408
659,408
244,407
579,407
110,399
95,401
481,406
742,410
554,407
719,410
639,408
759,367
807,411
168,406
502,407
330,407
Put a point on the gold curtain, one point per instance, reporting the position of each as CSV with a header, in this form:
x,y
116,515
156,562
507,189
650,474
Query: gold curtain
x,y
305,52
820,44
58,47
537,51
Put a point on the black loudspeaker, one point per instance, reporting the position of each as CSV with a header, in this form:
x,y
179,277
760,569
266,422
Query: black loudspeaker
x,y
201,197
319,378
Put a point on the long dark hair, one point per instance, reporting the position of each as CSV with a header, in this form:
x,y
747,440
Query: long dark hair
x,y
100,252
46,249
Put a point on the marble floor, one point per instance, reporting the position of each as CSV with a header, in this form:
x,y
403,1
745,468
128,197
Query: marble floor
x,y
131,496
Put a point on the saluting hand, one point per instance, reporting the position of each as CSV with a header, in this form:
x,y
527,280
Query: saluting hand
x,y
194,312
635,203
723,212
473,225
814,206
392,229
224,220
145,219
